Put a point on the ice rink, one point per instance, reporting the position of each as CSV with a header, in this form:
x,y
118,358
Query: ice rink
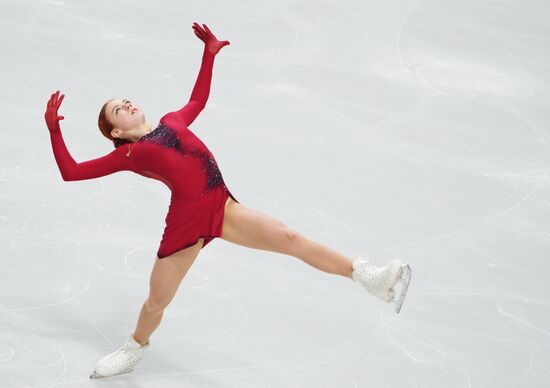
x,y
390,129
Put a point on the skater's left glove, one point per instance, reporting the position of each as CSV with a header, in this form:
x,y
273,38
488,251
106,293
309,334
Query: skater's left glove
x,y
212,43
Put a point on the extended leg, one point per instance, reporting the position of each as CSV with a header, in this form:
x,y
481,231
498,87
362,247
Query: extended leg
x,y
250,228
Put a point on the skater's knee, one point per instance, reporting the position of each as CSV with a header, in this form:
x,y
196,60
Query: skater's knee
x,y
155,304
281,239
293,240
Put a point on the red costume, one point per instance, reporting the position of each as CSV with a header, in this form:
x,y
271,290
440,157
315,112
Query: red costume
x,y
174,155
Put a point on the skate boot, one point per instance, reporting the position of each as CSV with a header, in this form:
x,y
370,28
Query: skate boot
x,y
121,361
381,282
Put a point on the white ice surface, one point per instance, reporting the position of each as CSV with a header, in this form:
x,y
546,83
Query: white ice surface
x,y
412,129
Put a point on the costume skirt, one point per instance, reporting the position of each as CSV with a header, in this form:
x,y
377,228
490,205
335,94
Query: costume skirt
x,y
189,220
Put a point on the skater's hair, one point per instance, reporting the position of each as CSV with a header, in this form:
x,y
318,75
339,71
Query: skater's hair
x,y
106,127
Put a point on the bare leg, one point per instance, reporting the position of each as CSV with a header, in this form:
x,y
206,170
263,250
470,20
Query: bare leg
x,y
148,322
250,228
322,257
166,277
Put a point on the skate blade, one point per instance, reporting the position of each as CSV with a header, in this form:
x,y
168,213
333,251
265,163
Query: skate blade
x,y
404,280
96,375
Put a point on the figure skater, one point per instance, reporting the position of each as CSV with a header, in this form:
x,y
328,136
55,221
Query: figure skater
x,y
201,206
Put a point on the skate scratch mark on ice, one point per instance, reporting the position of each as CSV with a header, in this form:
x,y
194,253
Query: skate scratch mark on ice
x,y
273,363
383,146
351,378
400,57
541,138
498,216
391,150
385,326
334,220
523,321
134,207
38,210
528,341
472,227
88,21
525,300
424,82
8,352
531,357
241,306
49,305
294,29
465,332
68,383
81,198
95,328
37,10
220,343
513,175
280,370
133,272
400,30
355,308
451,359
401,115
23,176
157,7
205,279
277,364
248,278
62,358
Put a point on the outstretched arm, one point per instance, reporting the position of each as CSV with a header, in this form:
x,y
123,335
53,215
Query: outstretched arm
x,y
95,168
201,90
71,170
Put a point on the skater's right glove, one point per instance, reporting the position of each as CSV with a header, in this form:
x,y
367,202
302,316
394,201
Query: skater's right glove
x,y
51,116
212,43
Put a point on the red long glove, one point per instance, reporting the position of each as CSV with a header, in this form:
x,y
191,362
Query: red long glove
x,y
212,43
51,116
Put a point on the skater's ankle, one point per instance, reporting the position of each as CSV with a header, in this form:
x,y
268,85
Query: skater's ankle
x,y
141,342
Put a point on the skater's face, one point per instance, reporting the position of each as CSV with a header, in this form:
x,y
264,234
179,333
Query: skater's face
x,y
123,116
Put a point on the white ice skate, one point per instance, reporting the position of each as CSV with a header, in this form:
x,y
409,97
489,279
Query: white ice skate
x,y
121,361
382,282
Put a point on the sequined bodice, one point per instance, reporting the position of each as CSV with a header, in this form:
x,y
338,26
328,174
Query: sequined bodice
x,y
163,136
178,158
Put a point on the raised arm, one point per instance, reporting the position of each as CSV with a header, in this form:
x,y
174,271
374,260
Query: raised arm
x,y
71,170
201,90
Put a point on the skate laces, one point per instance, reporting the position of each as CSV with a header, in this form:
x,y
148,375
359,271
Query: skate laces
x,y
377,280
367,270
130,349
